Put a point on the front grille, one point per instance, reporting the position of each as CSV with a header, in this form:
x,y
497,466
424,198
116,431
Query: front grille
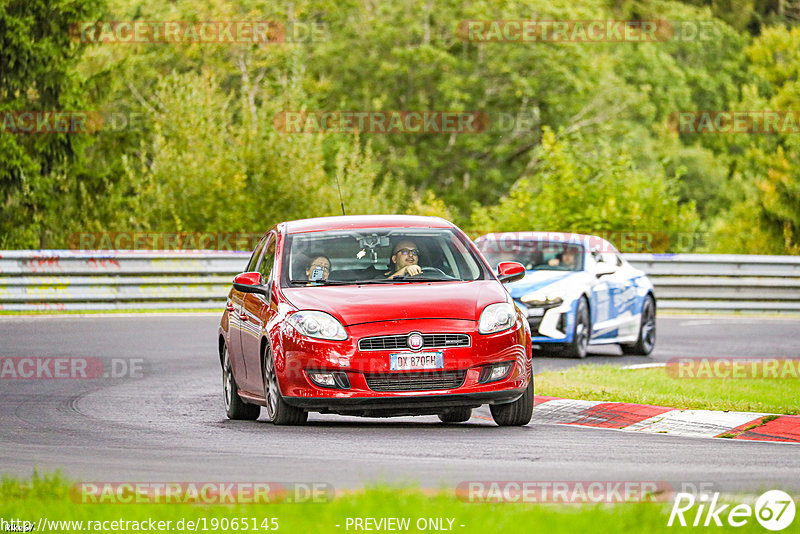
x,y
429,341
423,381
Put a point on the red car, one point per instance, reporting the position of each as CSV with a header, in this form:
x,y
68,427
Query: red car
x,y
374,316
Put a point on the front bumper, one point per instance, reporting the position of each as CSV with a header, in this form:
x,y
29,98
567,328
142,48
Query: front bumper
x,y
299,354
550,325
409,405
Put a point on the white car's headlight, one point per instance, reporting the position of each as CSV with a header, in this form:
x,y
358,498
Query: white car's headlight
x,y
317,324
497,317
543,302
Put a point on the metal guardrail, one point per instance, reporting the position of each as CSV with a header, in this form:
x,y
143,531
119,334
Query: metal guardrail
x,y
111,280
723,282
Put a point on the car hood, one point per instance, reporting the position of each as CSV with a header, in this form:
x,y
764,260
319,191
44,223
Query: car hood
x,y
416,300
536,280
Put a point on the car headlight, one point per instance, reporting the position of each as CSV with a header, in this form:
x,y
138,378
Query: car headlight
x,y
547,302
496,318
317,324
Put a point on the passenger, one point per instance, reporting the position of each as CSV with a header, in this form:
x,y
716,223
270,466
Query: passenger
x,y
319,269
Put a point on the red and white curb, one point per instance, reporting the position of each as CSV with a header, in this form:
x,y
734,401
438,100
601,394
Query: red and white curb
x,y
662,420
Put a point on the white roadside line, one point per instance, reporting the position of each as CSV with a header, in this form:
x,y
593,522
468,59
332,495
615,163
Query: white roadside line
x,y
699,423
644,365
534,422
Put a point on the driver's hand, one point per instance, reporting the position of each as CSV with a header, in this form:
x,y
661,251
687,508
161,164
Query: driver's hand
x,y
411,270
553,262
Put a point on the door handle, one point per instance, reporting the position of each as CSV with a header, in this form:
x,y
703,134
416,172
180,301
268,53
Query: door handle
x,y
243,316
229,306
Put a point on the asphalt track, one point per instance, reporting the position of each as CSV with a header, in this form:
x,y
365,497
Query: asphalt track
x,y
169,425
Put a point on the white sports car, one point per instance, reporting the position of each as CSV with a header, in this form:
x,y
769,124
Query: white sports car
x,y
577,291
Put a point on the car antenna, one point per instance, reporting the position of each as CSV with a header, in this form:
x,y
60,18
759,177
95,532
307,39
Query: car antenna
x,y
340,193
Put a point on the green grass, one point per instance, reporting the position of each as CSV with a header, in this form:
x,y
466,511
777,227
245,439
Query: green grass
x,y
656,386
48,497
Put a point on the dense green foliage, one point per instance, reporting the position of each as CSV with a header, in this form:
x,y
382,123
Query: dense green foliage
x,y
195,147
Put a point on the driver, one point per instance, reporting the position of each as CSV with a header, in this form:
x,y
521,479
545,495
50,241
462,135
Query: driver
x,y
567,259
405,259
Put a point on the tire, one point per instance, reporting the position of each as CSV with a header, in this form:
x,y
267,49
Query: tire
x,y
517,413
646,341
580,334
278,411
235,407
456,415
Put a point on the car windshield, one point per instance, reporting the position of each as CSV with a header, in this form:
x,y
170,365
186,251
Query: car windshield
x,y
535,255
344,257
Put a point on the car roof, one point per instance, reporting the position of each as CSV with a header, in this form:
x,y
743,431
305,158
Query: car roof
x,y
347,222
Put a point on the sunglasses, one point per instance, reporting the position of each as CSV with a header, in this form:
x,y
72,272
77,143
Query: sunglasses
x,y
408,252
324,268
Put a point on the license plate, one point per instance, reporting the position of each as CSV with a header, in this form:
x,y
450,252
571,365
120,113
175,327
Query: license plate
x,y
420,360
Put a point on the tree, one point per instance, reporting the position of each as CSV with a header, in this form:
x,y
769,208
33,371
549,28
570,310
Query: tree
x,y
589,189
37,73
766,216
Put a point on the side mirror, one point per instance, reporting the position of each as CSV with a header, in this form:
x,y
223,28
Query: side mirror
x,y
250,283
604,268
510,271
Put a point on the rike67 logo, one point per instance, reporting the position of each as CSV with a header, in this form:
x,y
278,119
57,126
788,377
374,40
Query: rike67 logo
x,y
774,510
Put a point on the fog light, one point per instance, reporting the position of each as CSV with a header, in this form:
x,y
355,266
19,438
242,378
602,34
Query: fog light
x,y
322,379
499,371
495,372
327,379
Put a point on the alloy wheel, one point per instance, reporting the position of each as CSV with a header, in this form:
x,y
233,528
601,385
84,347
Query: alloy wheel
x,y
227,380
271,383
649,326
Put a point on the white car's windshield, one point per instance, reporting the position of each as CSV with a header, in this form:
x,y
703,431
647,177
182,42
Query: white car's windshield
x,y
340,257
535,255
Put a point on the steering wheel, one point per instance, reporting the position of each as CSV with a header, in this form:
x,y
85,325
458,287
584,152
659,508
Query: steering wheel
x,y
436,272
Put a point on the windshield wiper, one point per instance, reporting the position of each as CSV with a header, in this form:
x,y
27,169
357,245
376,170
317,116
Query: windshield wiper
x,y
418,278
